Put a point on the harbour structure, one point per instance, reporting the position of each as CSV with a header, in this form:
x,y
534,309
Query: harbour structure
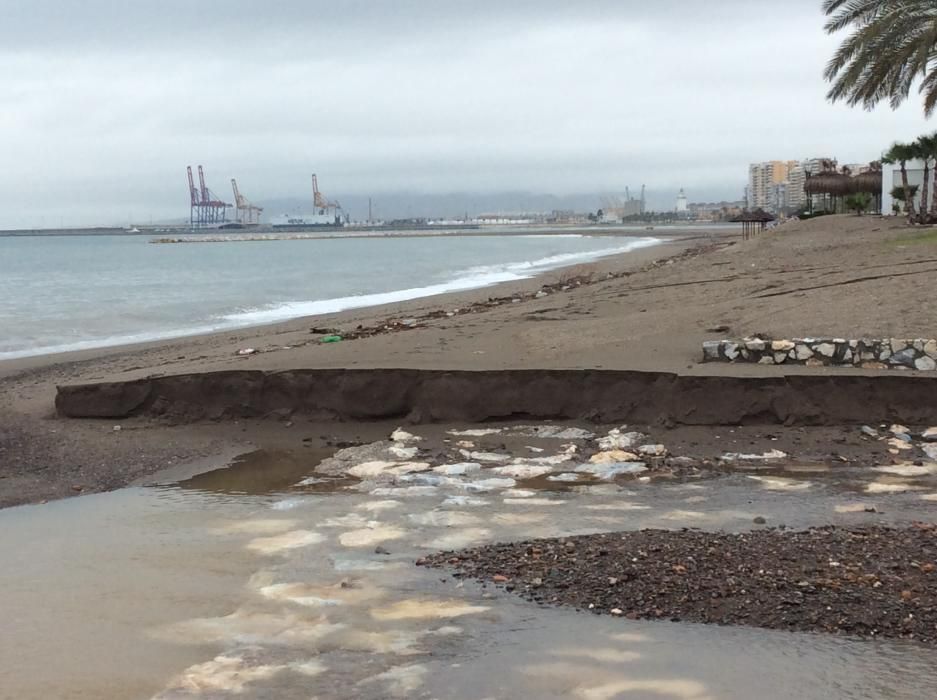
x,y
327,213
205,207
616,208
245,211
322,204
682,203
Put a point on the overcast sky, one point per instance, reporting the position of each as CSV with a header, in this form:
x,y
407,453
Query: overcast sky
x,y
104,103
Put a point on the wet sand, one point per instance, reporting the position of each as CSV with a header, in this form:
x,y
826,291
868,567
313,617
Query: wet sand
x,y
648,310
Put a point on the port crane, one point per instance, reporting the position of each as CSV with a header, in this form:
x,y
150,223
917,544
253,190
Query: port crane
x,y
322,204
247,213
205,207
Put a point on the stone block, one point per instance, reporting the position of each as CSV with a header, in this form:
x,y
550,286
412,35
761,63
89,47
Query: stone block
x,y
711,350
903,358
804,352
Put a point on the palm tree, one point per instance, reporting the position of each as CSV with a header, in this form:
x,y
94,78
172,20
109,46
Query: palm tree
x,y
928,147
924,150
901,153
893,43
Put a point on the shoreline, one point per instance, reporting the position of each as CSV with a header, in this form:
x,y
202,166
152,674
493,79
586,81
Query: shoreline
x,y
672,244
646,311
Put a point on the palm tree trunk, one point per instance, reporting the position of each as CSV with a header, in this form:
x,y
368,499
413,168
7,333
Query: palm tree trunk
x,y
908,200
924,188
933,198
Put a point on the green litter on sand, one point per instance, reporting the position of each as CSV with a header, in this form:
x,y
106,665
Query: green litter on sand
x,y
331,339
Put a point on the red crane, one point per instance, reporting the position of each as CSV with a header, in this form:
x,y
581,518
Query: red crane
x,y
193,193
205,207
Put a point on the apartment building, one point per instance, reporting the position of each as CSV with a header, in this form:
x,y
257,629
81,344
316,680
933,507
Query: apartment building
x,y
778,186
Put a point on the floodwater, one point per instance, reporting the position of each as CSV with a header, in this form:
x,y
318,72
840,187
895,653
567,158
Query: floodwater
x,y
272,580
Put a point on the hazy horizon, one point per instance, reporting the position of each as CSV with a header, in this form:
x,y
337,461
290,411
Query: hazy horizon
x,y
104,105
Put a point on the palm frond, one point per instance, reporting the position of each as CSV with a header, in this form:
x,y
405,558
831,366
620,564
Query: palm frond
x,y
893,44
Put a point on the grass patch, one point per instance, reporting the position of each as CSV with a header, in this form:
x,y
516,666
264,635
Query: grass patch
x,y
928,236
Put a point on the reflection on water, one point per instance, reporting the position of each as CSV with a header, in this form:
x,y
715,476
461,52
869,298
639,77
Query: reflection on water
x,y
265,472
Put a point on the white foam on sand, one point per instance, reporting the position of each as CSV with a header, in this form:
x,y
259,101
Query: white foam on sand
x,y
462,537
472,278
370,536
416,609
284,542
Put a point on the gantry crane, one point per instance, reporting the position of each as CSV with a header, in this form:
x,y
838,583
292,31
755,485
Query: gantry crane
x,y
204,206
323,205
245,211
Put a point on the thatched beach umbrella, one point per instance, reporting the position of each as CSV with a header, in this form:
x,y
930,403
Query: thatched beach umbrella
x,y
831,185
870,182
753,222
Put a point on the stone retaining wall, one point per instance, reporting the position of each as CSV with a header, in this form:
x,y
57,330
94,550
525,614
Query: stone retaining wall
x,y
888,353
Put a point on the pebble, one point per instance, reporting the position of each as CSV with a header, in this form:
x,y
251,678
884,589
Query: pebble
x,y
797,581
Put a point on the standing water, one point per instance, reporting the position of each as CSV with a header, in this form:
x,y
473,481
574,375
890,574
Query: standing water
x,y
272,580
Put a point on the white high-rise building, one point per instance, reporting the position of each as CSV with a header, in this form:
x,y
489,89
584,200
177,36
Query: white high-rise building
x,y
682,203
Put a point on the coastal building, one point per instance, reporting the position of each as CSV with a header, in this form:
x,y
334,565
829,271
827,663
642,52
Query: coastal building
x,y
763,179
716,211
778,186
616,208
891,178
682,203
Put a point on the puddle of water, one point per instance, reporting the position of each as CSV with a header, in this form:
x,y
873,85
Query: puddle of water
x,y
255,473
209,590
83,579
565,654
264,472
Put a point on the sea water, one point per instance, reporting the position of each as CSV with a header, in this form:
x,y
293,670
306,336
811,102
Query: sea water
x,y
61,293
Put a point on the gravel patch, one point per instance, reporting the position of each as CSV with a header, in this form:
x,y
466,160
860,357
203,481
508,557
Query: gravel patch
x,y
867,582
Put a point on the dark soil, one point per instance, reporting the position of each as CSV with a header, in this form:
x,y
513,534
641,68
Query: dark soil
x,y
868,582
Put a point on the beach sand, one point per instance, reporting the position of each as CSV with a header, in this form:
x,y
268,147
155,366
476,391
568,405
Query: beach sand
x,y
647,310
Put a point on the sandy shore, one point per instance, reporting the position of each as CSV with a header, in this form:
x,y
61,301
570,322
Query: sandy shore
x,y
647,310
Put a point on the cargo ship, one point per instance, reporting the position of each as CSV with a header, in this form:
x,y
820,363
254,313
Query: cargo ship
x,y
304,221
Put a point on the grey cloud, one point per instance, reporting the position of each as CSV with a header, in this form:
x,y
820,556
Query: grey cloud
x,y
102,104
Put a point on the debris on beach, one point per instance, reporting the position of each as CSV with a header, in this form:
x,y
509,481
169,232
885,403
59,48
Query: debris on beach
x,y
740,457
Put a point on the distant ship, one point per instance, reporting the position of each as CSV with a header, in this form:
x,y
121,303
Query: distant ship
x,y
307,220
